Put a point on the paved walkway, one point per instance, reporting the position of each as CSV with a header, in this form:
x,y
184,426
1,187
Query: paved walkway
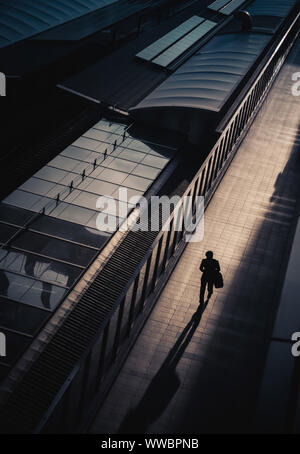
x,y
192,374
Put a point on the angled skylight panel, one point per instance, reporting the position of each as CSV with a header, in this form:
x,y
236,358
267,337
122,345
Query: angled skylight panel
x,y
218,4
170,38
175,51
231,7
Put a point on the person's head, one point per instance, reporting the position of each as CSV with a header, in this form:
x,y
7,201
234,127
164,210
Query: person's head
x,y
209,254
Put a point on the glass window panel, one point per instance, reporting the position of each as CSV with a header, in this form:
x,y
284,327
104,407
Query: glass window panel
x,y
6,232
164,42
83,199
54,248
185,43
130,193
22,199
79,153
81,167
64,163
41,203
70,197
14,286
139,146
113,176
85,183
101,187
45,189
112,220
71,231
52,174
38,267
27,290
84,142
107,126
122,165
109,148
38,186
73,213
146,171
44,295
21,317
132,155
137,182
97,172
14,215
116,208
98,134
125,143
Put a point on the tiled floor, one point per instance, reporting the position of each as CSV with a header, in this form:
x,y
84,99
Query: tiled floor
x,y
192,375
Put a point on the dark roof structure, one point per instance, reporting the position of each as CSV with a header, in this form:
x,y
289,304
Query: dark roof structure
x,y
208,78
276,8
23,19
84,26
102,81
202,86
205,78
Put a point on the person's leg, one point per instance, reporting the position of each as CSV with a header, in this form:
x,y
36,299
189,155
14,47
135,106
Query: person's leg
x,y
210,288
202,289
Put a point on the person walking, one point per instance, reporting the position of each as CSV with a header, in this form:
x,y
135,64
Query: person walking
x,y
209,268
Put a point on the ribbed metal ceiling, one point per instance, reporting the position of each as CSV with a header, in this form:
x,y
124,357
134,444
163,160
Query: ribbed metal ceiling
x,y
21,19
278,8
208,78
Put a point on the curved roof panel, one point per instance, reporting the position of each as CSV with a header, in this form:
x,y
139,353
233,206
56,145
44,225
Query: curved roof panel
x,y
277,8
23,18
209,77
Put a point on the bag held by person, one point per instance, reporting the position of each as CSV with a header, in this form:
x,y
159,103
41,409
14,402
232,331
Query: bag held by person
x,y
219,283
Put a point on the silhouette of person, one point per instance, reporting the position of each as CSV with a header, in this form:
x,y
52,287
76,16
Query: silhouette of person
x,y
208,266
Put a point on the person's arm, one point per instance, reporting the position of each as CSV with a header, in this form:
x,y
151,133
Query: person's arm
x,y
217,265
202,267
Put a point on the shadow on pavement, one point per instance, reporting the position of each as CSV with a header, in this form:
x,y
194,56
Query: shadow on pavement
x,y
164,385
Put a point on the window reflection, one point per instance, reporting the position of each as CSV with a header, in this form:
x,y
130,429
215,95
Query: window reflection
x,y
26,290
38,267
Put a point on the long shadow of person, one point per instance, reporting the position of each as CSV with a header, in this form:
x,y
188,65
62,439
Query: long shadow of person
x,y
163,386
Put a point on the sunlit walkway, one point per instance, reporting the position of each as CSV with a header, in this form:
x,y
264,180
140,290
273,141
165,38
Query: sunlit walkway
x,y
193,374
